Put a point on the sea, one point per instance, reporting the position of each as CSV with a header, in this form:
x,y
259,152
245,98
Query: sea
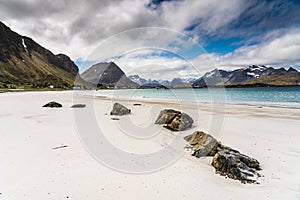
x,y
260,96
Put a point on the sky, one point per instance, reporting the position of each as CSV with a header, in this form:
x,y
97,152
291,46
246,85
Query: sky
x,y
163,38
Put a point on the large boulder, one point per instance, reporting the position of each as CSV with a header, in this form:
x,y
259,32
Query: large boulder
x,y
53,104
228,162
166,116
119,109
202,144
174,120
181,122
234,165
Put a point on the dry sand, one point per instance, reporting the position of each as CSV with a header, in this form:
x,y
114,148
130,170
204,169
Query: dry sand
x,y
31,169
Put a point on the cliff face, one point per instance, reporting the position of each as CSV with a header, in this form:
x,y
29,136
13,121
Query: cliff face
x,y
25,62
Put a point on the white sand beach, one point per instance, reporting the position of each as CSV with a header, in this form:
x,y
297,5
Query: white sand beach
x,y
31,169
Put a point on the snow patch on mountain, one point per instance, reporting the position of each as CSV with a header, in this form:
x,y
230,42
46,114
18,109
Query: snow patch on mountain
x,y
174,82
24,45
253,74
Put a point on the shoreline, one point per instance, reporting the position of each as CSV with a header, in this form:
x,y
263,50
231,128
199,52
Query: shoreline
x,y
273,104
145,100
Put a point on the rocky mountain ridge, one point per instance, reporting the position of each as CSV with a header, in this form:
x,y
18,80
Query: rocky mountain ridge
x,y
23,62
255,75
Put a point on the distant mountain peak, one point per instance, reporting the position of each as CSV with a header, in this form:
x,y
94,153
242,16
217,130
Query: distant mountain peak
x,y
107,73
291,69
255,68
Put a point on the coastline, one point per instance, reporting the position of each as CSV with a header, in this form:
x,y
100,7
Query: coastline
x,y
168,101
225,101
32,169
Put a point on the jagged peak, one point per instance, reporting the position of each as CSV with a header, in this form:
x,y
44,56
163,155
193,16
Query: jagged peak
x,y
291,69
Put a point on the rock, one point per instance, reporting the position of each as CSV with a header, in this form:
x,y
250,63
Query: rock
x,y
119,109
174,120
114,118
166,116
60,147
227,161
235,165
53,104
78,106
180,122
202,144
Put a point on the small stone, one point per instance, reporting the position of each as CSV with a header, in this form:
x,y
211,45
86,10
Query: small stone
x,y
53,104
78,106
114,118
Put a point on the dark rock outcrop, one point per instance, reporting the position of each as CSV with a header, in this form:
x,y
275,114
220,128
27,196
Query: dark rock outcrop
x,y
53,104
174,120
228,162
119,109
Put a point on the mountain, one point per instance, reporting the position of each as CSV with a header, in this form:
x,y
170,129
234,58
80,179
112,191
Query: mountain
x,y
176,82
23,62
250,76
181,83
137,79
108,74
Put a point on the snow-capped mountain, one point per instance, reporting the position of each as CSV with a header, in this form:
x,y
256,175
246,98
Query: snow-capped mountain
x,y
137,79
173,83
252,75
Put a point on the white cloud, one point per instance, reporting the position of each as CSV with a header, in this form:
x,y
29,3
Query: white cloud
x,y
77,27
153,66
274,51
98,30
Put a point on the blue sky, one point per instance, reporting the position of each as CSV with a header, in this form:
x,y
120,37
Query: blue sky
x,y
231,33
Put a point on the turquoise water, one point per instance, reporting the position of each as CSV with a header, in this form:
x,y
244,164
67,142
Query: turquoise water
x,y
271,96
